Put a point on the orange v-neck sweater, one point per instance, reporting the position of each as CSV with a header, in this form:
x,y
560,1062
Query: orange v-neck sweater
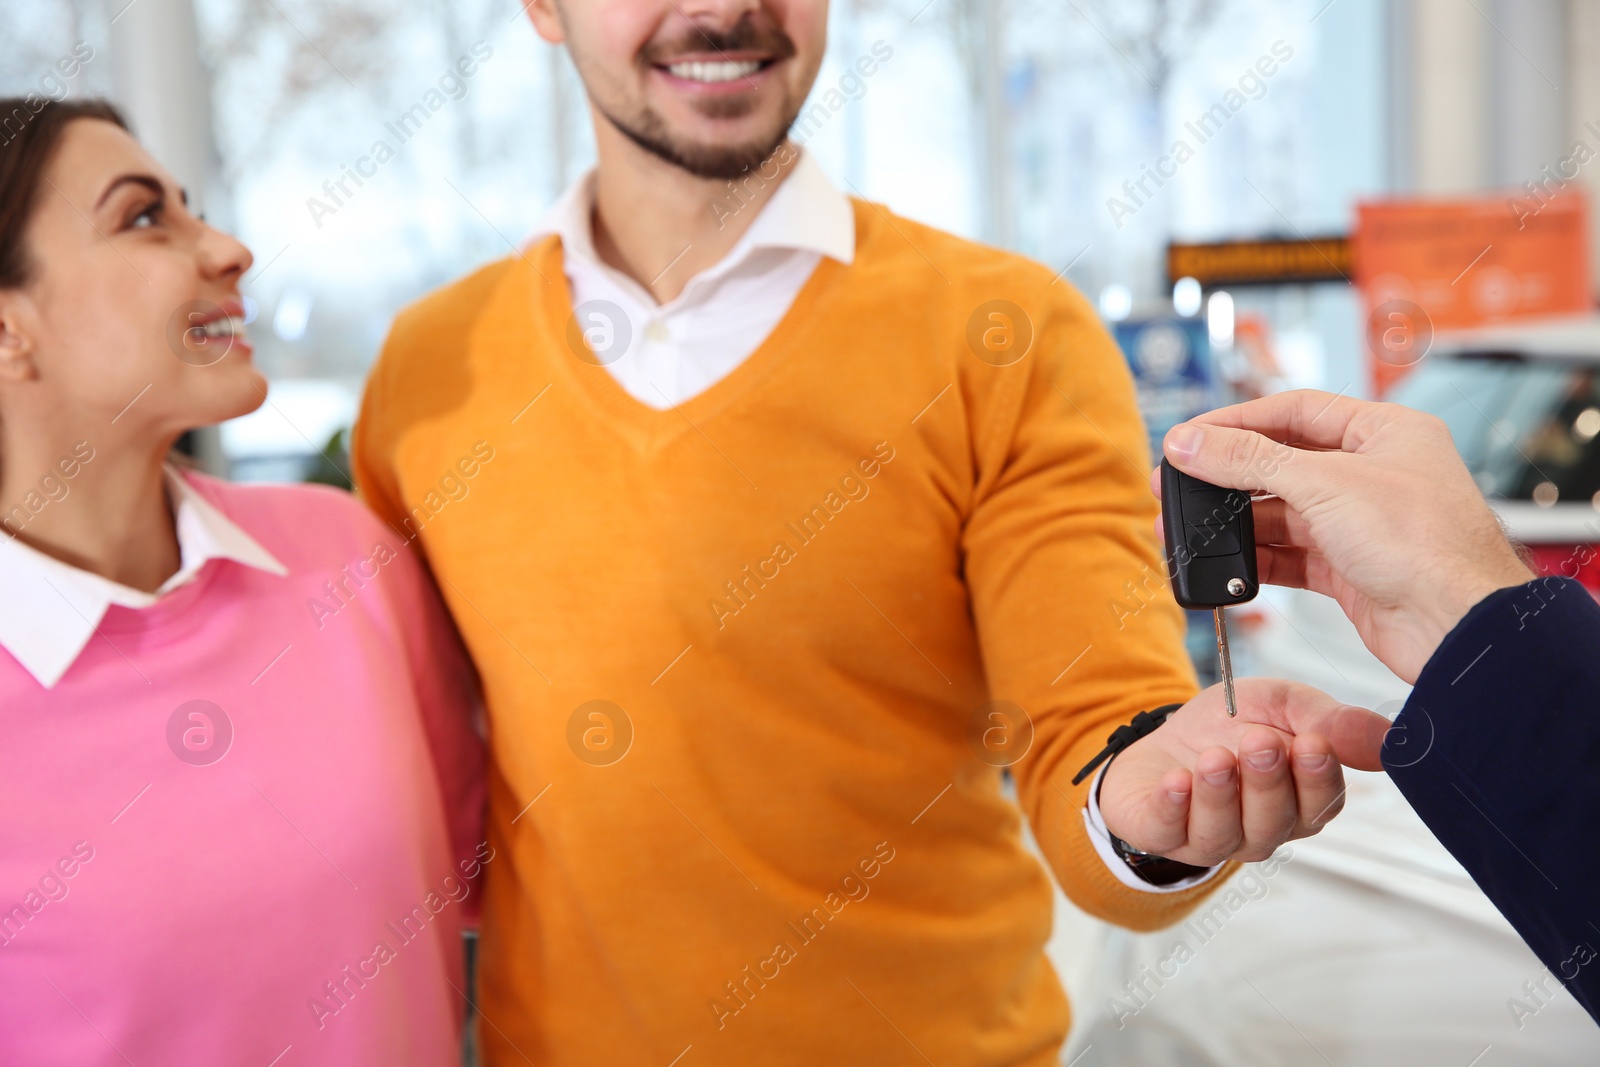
x,y
738,655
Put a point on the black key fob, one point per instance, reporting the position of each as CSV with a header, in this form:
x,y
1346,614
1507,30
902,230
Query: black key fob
x,y
1211,541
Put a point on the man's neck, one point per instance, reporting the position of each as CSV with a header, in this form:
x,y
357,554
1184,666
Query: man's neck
x,y
661,225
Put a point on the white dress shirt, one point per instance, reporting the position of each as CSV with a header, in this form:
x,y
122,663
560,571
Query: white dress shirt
x,y
49,609
1108,852
668,353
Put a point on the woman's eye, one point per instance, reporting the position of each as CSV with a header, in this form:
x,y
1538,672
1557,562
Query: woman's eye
x,y
147,218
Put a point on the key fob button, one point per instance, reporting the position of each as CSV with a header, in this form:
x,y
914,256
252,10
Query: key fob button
x,y
1210,537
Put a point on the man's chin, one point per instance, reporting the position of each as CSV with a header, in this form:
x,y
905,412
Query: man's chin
x,y
720,162
713,160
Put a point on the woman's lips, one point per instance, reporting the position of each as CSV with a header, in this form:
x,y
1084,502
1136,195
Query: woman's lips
x,y
222,328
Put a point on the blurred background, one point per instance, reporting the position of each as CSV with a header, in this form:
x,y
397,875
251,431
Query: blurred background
x,y
1089,134
1373,197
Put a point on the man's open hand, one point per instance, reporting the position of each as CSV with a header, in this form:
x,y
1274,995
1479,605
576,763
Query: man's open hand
x,y
1205,788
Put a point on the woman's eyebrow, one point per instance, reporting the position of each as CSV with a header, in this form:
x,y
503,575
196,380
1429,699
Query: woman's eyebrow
x,y
146,180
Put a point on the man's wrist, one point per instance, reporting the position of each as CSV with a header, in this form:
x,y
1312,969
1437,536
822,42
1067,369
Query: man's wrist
x,y
1157,870
1164,876
1466,590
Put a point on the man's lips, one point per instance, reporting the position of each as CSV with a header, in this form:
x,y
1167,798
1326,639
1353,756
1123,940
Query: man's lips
x,y
716,71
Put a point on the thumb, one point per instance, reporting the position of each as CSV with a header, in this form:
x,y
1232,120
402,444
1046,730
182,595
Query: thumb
x,y
1356,734
1238,459
1357,738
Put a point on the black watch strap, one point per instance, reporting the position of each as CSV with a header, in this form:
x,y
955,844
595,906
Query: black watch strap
x,y
1143,724
1157,870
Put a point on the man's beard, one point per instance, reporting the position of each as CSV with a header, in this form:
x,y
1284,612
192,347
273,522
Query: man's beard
x,y
717,161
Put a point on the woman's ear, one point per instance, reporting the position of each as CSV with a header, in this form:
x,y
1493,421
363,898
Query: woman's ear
x,y
16,339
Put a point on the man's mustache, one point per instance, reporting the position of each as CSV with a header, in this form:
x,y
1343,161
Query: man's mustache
x,y
746,35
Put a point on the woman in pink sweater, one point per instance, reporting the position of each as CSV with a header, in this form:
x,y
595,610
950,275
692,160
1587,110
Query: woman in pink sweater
x,y
240,783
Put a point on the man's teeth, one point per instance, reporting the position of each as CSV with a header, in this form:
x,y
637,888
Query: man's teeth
x,y
231,326
726,71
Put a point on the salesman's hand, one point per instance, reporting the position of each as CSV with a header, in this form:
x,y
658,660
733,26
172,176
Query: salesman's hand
x,y
1205,788
1372,507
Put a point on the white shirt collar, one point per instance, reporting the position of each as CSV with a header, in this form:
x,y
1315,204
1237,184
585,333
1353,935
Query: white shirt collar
x,y
49,609
806,213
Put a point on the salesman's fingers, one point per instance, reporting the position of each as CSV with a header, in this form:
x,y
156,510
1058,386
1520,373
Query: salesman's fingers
x,y
1294,568
1268,804
1301,417
1318,782
1214,828
1244,459
1279,524
1286,553
1276,565
1276,523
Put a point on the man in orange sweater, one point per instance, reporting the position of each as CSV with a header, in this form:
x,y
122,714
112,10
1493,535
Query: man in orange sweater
x,y
778,526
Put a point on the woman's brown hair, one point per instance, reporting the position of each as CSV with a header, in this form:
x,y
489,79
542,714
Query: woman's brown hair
x,y
29,136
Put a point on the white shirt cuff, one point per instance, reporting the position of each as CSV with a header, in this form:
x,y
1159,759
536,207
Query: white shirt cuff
x,y
1096,825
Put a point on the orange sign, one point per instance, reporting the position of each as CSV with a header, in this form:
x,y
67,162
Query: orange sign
x,y
1263,262
1426,265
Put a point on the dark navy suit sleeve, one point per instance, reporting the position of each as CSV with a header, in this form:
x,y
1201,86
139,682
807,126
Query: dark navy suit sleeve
x,y
1498,749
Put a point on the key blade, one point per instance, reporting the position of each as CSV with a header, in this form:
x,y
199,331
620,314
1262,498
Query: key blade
x,y
1226,662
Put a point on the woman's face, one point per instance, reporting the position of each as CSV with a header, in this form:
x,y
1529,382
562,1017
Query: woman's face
x,y
132,318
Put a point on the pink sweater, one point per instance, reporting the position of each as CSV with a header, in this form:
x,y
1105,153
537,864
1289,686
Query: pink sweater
x,y
244,828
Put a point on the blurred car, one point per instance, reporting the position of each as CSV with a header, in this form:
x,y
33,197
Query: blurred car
x,y
1522,402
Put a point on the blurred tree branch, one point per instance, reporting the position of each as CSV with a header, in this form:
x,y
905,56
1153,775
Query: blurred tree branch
x,y
1148,40
27,55
311,51
1154,37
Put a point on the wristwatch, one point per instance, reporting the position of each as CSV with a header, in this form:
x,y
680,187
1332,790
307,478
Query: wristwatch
x,y
1157,870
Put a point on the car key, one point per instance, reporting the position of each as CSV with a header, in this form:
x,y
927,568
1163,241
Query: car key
x,y
1211,552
